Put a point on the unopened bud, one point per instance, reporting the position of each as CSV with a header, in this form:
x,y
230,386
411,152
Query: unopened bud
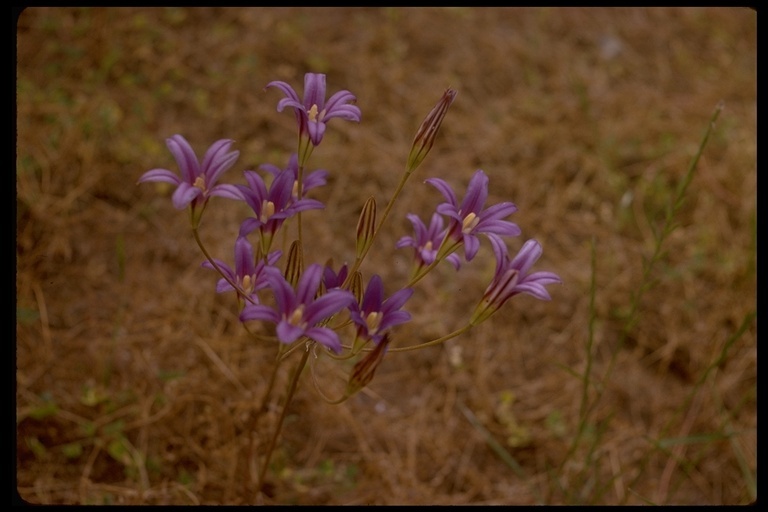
x,y
356,287
295,265
425,137
365,368
366,226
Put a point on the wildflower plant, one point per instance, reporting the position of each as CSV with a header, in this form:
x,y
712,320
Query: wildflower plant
x,y
338,312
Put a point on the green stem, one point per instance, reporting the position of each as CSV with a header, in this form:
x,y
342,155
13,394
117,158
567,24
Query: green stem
x,y
279,426
261,410
437,341
299,193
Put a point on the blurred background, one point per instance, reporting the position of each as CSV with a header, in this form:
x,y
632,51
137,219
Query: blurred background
x,y
636,384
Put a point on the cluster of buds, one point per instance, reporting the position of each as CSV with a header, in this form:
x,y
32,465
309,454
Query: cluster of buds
x,y
318,304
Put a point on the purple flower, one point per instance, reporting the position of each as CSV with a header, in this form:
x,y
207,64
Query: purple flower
x,y
512,278
298,313
469,219
312,180
271,207
198,181
375,315
333,280
313,113
248,275
427,240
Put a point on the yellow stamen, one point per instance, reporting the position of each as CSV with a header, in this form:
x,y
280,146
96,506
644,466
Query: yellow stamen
x,y
247,284
297,316
470,221
372,321
199,183
312,114
267,210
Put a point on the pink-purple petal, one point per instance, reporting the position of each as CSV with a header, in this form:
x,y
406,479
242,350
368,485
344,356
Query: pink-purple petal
x,y
185,158
445,189
477,193
184,194
327,305
259,312
227,191
161,175
287,332
326,337
314,90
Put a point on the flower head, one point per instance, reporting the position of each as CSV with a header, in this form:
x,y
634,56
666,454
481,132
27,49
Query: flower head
x,y
374,316
333,280
512,278
247,275
313,112
469,219
198,180
298,312
272,207
427,241
312,180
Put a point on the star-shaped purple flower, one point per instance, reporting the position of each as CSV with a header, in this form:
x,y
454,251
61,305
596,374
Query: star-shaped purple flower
x,y
298,312
248,275
333,280
198,180
314,112
313,180
512,278
426,241
375,315
469,219
272,207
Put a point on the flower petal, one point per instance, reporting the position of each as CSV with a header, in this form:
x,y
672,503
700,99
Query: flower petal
x,y
185,158
314,90
326,337
162,175
477,193
329,304
287,332
184,195
259,312
227,191
444,189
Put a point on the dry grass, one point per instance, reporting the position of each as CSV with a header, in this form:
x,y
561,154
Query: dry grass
x,y
135,381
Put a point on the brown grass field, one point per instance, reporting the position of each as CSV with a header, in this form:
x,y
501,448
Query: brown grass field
x,y
636,384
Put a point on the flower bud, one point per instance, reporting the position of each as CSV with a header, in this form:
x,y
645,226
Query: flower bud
x,y
366,226
425,137
295,265
365,368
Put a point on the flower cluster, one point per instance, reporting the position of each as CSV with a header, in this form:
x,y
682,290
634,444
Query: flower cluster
x,y
318,304
321,305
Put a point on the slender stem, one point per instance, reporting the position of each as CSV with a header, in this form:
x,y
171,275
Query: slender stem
x,y
299,194
437,341
279,426
258,412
